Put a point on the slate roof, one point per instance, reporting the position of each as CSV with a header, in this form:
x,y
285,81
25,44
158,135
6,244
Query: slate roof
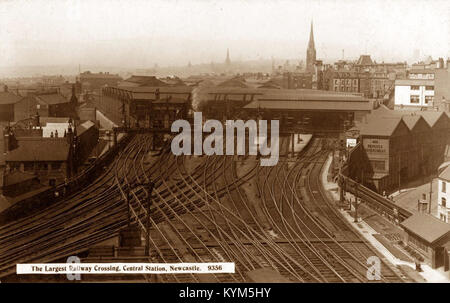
x,y
426,227
39,149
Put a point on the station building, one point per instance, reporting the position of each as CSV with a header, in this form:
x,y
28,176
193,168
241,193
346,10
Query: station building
x,y
311,111
136,106
429,237
400,146
387,145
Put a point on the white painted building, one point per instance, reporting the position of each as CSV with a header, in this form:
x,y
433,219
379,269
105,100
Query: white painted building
x,y
444,195
414,93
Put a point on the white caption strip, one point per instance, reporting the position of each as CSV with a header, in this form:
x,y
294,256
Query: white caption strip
x,y
125,268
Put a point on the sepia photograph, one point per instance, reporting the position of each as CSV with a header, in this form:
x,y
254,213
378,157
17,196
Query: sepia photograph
x,y
224,142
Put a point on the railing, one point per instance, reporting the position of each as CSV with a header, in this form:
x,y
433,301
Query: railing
x,y
372,199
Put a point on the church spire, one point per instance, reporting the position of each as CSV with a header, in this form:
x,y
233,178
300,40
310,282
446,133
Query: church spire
x,y
311,37
227,60
311,52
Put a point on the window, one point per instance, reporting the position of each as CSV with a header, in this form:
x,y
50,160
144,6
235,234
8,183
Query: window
x,y
429,99
414,87
444,202
429,87
28,166
55,165
42,166
414,99
378,165
444,186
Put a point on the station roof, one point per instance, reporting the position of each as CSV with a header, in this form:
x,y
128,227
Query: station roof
x,y
152,89
310,95
405,82
39,149
426,227
310,105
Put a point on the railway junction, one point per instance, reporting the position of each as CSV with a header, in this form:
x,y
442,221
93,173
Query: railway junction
x,y
144,204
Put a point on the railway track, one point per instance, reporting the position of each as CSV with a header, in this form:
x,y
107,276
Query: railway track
x,y
204,209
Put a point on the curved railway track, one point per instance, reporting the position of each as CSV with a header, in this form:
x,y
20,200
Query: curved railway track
x,y
205,209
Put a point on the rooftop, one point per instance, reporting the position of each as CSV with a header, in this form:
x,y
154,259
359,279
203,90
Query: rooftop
x,y
403,82
84,127
445,174
364,60
52,99
309,105
31,149
426,227
144,81
377,127
9,98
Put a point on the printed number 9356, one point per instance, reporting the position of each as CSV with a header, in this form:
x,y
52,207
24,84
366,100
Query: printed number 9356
x,y
214,267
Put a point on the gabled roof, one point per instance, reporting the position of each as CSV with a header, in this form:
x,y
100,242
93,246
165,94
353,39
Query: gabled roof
x,y
411,121
39,149
426,227
431,116
381,127
9,98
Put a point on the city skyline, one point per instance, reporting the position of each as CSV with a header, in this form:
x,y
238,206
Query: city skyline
x,y
140,35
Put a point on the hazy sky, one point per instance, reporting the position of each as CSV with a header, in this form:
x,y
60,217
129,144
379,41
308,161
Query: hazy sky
x,y
135,33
